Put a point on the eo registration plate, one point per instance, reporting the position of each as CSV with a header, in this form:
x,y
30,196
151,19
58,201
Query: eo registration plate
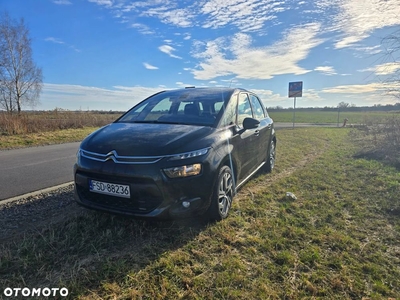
x,y
118,190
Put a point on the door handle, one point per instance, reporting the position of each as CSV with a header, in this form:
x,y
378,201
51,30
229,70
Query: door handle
x,y
257,132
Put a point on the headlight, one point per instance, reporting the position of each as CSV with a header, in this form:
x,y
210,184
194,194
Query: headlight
x,y
190,154
183,171
78,156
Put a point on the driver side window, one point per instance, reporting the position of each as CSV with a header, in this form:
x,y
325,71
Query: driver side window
x,y
244,109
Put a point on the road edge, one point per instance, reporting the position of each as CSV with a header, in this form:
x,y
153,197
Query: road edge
x,y
35,193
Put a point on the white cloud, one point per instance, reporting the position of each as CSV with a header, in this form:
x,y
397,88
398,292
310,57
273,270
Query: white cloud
x,y
311,95
107,3
61,42
327,70
62,2
149,67
249,62
181,17
370,50
54,40
357,20
365,94
183,85
74,97
247,15
142,28
168,50
384,69
358,88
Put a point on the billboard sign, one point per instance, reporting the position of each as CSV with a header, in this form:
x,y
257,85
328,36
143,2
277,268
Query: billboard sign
x,y
295,89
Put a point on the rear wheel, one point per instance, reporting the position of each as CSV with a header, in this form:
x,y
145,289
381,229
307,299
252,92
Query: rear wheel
x,y
222,196
270,163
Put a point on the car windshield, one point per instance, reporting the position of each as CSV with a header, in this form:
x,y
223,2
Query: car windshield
x,y
201,107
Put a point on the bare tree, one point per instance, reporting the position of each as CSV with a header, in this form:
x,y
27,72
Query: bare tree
x,y
20,78
343,105
391,44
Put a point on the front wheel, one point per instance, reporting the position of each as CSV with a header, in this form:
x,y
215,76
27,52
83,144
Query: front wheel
x,y
270,163
222,196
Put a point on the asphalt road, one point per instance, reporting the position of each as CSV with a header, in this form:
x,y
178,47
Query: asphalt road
x,y
28,170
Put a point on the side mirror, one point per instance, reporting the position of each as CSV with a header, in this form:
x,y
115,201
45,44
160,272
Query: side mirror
x,y
250,123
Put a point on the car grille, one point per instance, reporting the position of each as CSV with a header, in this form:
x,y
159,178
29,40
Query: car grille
x,y
145,197
119,159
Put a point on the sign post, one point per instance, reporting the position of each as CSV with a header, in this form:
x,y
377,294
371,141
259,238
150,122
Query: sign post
x,y
295,90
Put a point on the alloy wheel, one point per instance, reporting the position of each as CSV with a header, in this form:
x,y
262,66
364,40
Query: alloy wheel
x,y
272,153
225,193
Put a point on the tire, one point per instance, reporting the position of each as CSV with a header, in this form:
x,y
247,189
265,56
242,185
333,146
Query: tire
x,y
222,196
270,162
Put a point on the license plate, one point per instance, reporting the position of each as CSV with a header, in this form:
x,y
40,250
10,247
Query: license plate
x,y
113,189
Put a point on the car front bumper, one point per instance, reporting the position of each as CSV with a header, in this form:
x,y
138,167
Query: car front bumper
x,y
152,193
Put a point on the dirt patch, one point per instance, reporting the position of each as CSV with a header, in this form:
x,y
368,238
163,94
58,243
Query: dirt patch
x,y
34,213
273,177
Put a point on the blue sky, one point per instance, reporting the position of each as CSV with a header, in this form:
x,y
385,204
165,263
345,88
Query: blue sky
x,y
110,54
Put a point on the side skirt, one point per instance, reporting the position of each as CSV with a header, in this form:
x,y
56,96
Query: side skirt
x,y
248,177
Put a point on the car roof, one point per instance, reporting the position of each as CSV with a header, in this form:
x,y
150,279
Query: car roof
x,y
203,92
192,91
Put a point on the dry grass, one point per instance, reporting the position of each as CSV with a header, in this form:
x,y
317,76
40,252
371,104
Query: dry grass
x,y
49,127
338,240
46,121
380,139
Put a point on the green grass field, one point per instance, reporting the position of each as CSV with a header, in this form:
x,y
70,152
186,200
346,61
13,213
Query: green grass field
x,y
321,117
339,240
56,127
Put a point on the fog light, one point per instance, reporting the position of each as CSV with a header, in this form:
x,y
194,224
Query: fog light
x,y
186,204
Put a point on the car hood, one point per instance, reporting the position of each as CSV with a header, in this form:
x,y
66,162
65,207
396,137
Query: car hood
x,y
136,139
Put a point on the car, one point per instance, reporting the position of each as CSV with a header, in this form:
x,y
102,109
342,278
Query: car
x,y
178,153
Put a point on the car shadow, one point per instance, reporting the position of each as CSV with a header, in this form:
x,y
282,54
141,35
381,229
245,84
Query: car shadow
x,y
87,248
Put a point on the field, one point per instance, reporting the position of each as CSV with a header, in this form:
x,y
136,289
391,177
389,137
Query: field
x,y
323,117
49,127
340,239
60,126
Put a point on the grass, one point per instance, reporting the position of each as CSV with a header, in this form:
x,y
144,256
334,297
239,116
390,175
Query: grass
x,y
61,126
49,127
44,138
55,120
321,117
338,240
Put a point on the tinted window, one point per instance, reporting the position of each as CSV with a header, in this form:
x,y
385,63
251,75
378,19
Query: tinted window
x,y
258,111
244,109
158,110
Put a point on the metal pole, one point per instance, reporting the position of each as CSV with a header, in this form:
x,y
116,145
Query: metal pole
x,y
294,111
338,115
